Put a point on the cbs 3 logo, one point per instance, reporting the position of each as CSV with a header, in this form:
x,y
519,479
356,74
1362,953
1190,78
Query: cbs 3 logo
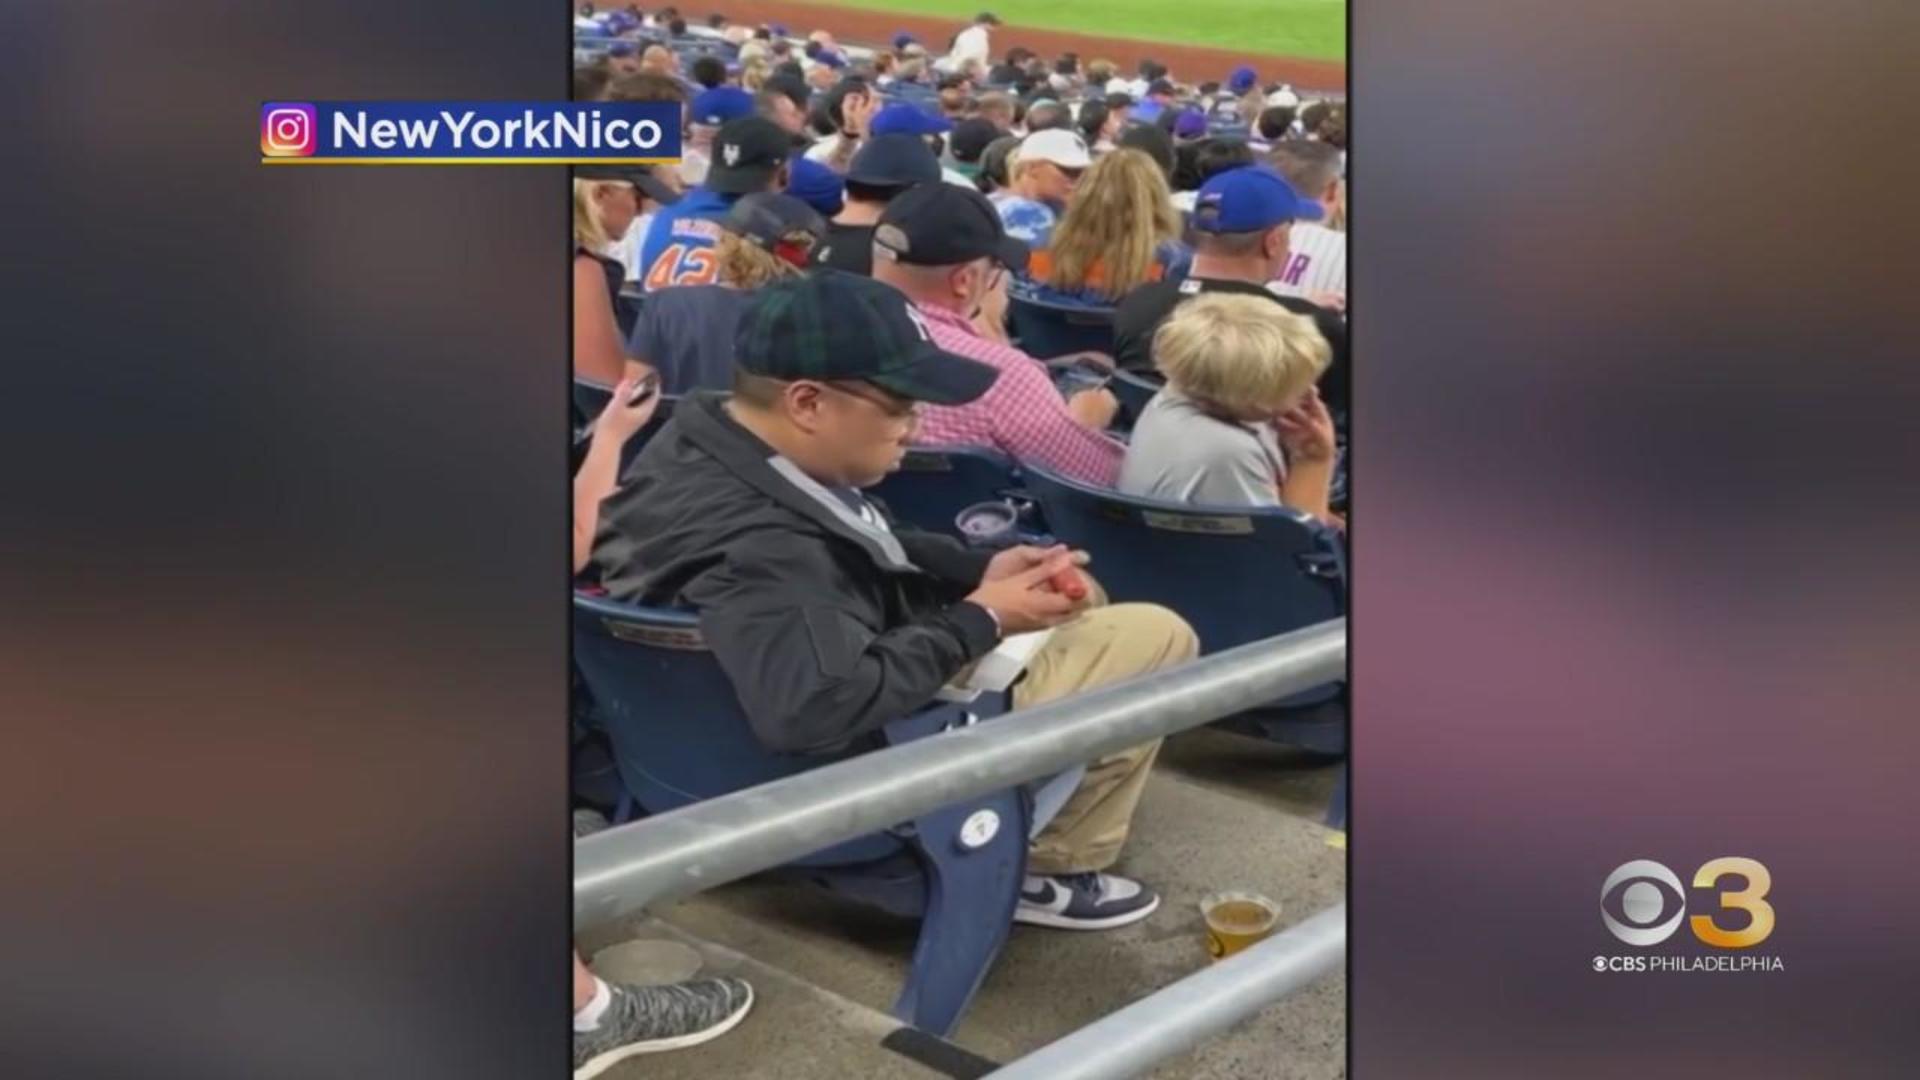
x,y
1646,889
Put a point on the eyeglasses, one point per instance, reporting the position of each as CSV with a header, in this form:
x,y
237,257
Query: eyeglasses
x,y
893,408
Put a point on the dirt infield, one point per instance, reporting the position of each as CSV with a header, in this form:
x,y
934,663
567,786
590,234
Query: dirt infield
x,y
1189,63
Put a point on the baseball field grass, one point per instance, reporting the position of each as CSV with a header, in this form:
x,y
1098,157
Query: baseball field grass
x,y
1316,29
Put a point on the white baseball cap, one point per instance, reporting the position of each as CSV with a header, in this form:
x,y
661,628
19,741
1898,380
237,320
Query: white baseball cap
x,y
1061,146
1283,98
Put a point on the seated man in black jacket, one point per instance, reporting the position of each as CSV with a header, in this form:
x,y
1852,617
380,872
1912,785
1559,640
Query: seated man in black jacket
x,y
829,619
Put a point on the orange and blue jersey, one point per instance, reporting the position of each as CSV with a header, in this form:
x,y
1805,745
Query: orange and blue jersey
x,y
678,249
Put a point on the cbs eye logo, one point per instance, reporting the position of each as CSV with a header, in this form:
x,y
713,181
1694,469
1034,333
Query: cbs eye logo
x,y
1635,899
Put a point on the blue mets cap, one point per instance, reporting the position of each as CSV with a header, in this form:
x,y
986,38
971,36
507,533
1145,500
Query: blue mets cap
x,y
722,103
1249,199
894,161
817,185
905,118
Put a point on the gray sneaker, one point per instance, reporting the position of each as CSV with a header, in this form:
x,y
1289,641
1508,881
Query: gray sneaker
x,y
1083,901
648,1019
587,821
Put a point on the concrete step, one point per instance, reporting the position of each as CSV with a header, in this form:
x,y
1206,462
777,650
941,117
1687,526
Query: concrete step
x,y
1190,838
796,1031
1281,777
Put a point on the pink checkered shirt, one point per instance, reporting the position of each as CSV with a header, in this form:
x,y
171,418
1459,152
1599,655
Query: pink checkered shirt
x,y
1022,416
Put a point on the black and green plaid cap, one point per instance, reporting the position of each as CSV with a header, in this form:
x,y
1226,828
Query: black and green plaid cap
x,y
834,325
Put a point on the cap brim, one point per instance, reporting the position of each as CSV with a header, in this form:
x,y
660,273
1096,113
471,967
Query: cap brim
x,y
938,377
884,180
641,178
1013,254
741,179
1308,210
656,189
1067,161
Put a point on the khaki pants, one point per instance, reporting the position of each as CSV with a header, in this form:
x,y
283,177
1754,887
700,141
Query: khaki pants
x,y
1105,645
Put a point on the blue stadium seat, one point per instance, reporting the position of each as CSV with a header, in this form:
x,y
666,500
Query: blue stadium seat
x,y
1134,391
1045,330
679,736
935,483
1237,574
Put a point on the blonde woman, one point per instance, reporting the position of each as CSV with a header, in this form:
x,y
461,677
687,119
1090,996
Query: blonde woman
x,y
603,210
1239,422
686,332
1120,231
754,75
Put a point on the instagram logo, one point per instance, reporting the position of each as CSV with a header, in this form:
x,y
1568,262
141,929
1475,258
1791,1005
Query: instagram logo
x,y
286,130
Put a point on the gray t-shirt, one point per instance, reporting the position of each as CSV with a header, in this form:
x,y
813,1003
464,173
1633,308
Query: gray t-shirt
x,y
1180,454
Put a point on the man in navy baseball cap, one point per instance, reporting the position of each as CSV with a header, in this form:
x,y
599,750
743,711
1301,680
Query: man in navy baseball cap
x,y
1242,222
946,225
1248,200
880,171
749,154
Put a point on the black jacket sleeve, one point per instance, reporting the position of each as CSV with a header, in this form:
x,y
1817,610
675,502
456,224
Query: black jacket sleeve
x,y
811,668
946,558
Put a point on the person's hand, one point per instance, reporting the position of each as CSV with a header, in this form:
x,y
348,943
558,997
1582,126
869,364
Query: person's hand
x,y
1307,429
1014,560
1026,598
1089,358
857,110
1094,408
1336,301
619,420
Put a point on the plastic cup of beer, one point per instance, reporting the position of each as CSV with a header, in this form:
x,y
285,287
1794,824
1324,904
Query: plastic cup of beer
x,y
1236,920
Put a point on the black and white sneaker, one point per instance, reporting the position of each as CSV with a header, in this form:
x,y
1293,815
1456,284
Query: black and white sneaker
x,y
648,1019
1083,901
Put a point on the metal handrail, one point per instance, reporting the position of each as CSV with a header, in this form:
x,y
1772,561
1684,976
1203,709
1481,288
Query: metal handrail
x,y
686,851
1131,1040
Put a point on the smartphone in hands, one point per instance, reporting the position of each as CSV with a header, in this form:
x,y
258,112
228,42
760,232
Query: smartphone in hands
x,y
648,387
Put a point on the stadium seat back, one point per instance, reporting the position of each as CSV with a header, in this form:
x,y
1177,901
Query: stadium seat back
x,y
1133,392
935,483
1238,574
680,736
676,725
1045,330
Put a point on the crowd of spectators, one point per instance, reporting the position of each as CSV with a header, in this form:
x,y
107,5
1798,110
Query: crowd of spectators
x,y
833,273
